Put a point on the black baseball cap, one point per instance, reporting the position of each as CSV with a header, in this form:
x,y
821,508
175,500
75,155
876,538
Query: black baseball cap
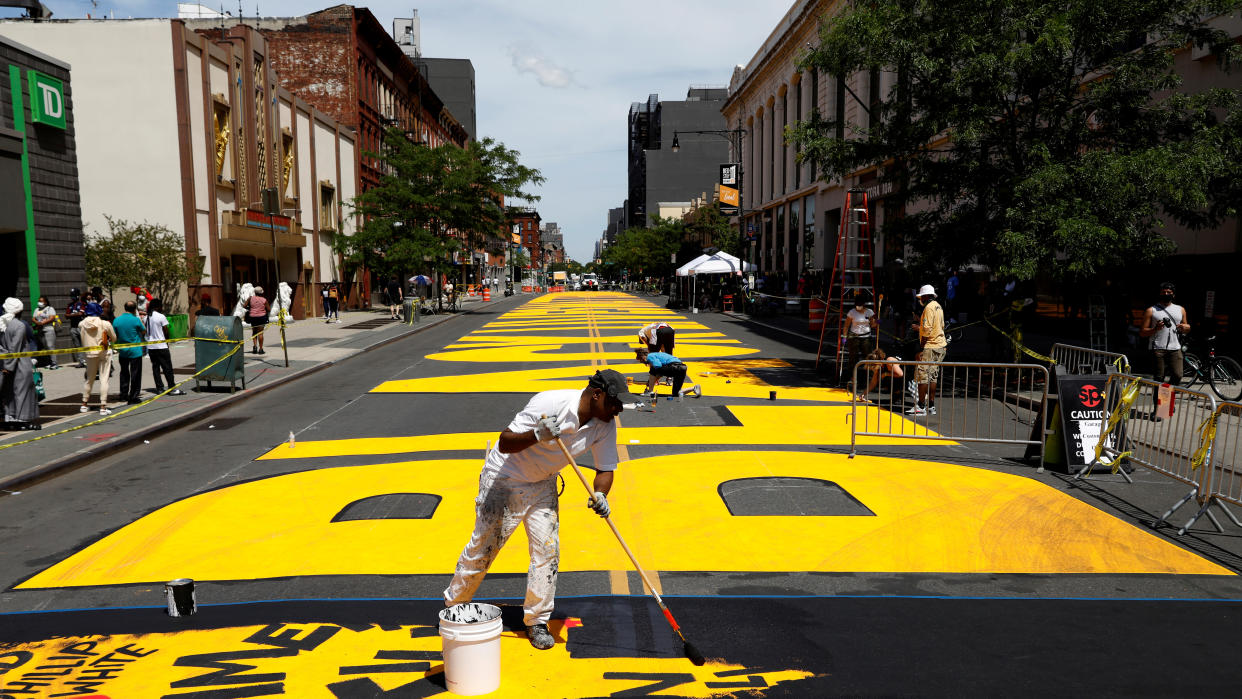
x,y
613,383
1168,285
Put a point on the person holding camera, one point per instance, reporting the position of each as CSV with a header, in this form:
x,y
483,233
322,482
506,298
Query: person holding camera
x,y
1164,323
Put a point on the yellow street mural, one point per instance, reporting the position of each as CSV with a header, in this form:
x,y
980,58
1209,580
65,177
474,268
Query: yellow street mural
x,y
328,660
909,515
928,517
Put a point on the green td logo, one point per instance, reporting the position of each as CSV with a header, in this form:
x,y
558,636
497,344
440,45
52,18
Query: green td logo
x,y
47,99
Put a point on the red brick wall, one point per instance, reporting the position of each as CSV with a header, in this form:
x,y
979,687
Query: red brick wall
x,y
316,62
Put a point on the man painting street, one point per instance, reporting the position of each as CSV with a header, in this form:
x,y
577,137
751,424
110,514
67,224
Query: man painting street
x,y
934,346
658,337
518,486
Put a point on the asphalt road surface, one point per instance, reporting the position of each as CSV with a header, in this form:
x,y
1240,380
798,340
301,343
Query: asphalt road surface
x,y
321,520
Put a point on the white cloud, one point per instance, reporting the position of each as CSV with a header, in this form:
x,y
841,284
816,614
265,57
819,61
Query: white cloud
x,y
546,72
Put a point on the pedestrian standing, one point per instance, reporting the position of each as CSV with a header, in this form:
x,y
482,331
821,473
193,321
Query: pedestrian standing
x,y
517,485
18,399
45,322
934,347
205,308
158,351
1164,322
394,298
859,337
75,312
130,330
98,334
256,317
334,301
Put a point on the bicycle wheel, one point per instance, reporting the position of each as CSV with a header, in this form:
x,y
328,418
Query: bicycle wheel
x,y
1226,379
1192,370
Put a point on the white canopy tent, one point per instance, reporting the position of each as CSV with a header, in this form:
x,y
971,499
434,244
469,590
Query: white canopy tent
x,y
717,263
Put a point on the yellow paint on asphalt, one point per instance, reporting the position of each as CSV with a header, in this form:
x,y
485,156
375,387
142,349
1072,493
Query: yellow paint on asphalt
x,y
762,425
309,659
928,518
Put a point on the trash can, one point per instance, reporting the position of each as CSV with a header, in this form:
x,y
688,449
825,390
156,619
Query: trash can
x,y
178,326
408,311
207,352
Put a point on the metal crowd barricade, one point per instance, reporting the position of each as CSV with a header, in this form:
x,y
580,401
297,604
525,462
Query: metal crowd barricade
x,y
997,403
1082,360
1168,446
1225,456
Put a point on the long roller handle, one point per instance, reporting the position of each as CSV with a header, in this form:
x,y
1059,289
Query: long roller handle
x,y
615,532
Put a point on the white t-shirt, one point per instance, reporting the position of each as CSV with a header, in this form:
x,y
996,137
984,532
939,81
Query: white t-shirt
x,y
860,323
544,459
649,331
157,329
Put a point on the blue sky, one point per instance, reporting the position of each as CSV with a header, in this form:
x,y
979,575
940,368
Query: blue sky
x,y
554,78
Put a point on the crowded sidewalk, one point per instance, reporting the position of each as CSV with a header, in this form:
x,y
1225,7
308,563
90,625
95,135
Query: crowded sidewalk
x,y
68,437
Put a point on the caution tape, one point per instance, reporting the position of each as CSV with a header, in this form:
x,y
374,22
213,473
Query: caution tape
x,y
1019,345
118,413
114,346
1207,435
1120,413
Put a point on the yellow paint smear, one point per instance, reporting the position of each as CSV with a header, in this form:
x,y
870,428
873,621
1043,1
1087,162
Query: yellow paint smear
x,y
333,655
928,518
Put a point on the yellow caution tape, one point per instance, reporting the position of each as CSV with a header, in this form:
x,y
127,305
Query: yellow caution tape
x,y
1120,413
1207,436
114,346
118,413
1019,345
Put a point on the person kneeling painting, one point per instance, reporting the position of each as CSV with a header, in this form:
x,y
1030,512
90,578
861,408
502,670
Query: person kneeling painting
x,y
664,364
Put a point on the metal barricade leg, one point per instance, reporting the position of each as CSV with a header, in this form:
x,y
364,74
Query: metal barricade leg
x,y
1175,507
1228,512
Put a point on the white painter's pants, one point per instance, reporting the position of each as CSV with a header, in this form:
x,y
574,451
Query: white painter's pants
x,y
501,505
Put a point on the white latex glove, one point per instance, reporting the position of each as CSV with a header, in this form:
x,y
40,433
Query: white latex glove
x,y
599,503
546,429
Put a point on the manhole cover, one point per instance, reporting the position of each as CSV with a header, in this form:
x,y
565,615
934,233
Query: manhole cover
x,y
390,506
368,324
789,497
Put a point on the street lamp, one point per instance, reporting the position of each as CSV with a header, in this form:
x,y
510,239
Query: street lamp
x,y
734,136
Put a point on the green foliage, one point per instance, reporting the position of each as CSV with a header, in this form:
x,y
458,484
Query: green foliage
x,y
143,254
646,251
429,195
1032,135
709,226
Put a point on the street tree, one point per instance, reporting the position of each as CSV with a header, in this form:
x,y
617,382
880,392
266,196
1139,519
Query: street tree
x,y
149,255
431,197
1031,135
646,251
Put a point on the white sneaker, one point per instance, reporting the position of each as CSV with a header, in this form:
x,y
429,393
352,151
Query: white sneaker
x,y
917,411
105,411
697,391
931,410
647,394
84,409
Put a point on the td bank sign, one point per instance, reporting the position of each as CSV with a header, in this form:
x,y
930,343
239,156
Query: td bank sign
x,y
47,99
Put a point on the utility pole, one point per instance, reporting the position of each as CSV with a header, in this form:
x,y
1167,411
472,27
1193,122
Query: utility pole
x,y
271,207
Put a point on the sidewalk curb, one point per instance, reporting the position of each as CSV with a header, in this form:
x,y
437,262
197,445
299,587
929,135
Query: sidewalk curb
x,y
78,458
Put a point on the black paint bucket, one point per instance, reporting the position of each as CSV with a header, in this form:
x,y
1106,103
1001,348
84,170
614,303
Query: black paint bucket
x,y
771,395
180,596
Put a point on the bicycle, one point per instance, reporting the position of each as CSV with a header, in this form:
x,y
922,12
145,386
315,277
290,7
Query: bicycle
x,y
1222,374
452,304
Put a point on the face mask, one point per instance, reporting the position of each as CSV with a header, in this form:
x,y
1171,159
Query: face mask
x,y
859,308
41,304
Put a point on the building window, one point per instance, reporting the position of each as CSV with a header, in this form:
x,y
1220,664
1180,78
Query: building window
x,y
220,128
286,163
327,206
814,114
797,165
873,98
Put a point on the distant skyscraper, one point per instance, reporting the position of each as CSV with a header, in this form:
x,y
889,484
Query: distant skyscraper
x,y
656,174
452,79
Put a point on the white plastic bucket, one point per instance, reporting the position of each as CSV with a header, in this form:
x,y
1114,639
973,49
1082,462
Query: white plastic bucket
x,y
471,636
